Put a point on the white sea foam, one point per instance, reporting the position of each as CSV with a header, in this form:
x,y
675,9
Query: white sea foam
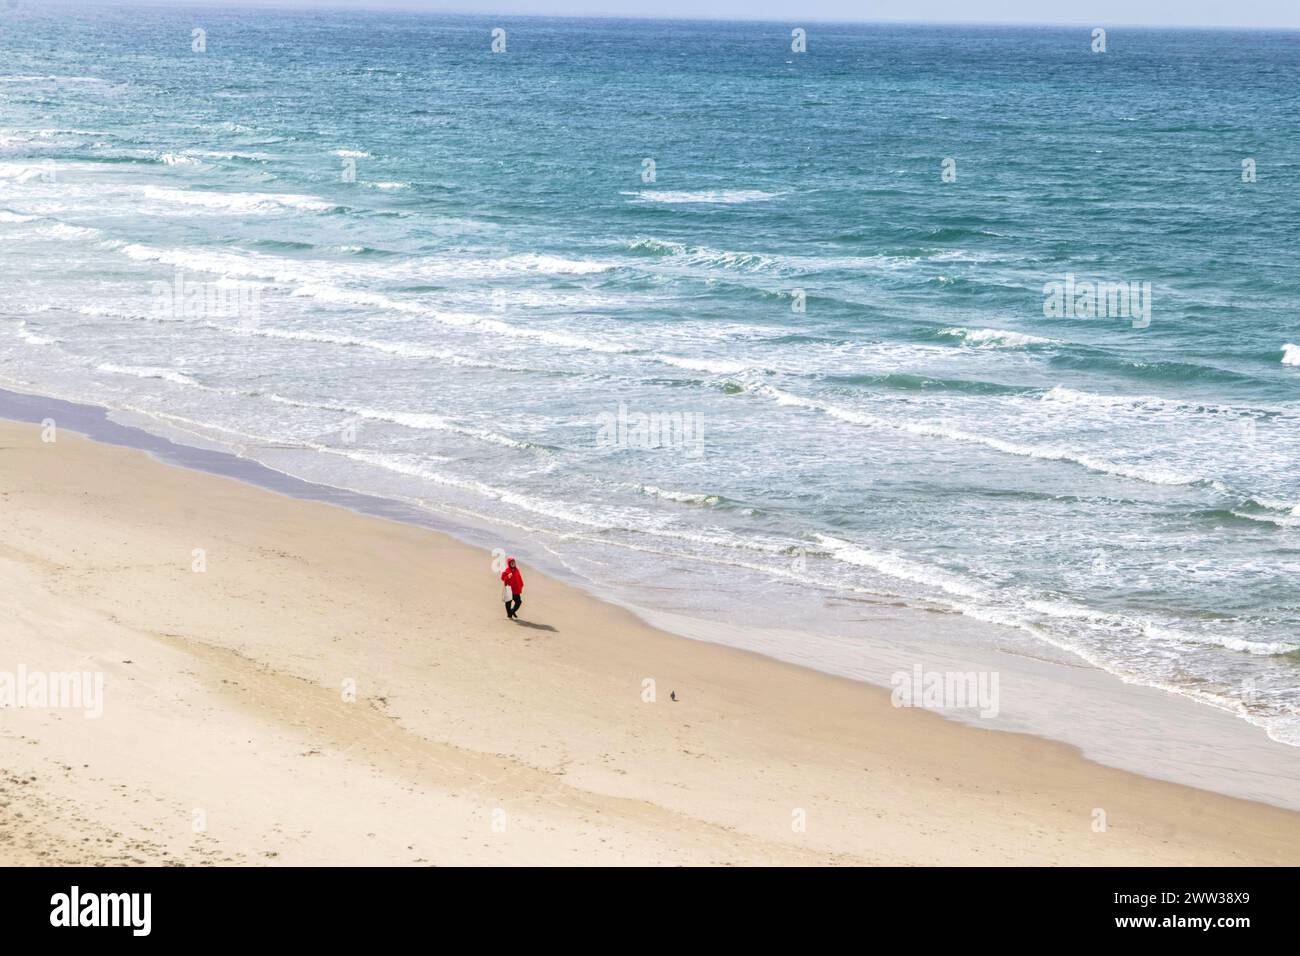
x,y
36,171
591,517
455,319
1062,395
1291,354
1291,520
562,339
994,338
712,196
32,338
236,202
48,133
669,254
682,497
1061,609
1279,504
23,78
100,311
1259,648
165,374
317,276
389,347
406,349
358,298
1147,473
896,566
228,264
417,469
712,366
657,246
678,253
422,421
553,265
50,227
1112,623
62,230
229,154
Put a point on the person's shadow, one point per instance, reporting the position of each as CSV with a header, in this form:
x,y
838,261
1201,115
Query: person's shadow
x,y
535,627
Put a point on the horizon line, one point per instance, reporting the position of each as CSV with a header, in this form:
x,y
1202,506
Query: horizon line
x,y
353,7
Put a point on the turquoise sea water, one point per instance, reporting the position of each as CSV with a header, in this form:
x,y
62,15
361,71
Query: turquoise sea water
x,y
368,250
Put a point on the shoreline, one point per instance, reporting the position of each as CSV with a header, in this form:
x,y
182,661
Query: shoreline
x,y
1136,728
472,740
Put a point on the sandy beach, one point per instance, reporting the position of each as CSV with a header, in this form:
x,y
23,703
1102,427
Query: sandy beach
x,y
290,682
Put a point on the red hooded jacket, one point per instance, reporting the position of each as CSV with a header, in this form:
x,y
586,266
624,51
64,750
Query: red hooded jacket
x,y
512,577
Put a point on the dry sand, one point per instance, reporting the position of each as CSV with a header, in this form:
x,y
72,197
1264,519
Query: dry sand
x,y
226,736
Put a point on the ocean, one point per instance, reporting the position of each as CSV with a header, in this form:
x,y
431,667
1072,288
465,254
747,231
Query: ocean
x,y
972,321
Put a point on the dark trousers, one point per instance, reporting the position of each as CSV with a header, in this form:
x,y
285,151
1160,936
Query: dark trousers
x,y
512,607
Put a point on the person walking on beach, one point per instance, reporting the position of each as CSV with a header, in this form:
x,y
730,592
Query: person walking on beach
x,y
513,588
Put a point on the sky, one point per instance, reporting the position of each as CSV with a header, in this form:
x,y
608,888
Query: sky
x,y
1104,13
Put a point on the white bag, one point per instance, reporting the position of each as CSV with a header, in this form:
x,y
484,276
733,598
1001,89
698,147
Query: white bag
x,y
507,595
